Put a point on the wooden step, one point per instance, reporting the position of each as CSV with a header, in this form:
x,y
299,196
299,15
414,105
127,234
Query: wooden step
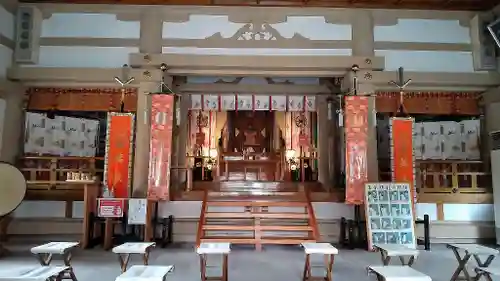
x,y
262,227
263,240
257,215
256,203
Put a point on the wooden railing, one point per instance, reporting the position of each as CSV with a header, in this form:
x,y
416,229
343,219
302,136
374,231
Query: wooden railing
x,y
453,177
47,176
201,222
312,217
452,181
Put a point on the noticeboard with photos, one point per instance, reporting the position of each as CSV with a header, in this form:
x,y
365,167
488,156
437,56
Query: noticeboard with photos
x,y
389,213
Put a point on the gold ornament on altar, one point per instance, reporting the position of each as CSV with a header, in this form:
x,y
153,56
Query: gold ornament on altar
x,y
202,121
301,121
79,176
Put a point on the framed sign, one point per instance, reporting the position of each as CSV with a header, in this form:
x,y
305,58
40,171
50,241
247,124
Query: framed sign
x,y
389,214
110,207
137,209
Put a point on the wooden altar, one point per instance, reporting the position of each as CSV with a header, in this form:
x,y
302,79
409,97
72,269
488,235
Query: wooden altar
x,y
252,166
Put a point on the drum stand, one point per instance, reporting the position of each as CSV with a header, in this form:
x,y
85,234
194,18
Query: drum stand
x,y
4,222
3,251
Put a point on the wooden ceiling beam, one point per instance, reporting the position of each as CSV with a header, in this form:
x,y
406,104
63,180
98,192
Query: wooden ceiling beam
x,y
465,5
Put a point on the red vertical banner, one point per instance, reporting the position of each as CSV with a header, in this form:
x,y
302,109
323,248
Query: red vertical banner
x,y
356,139
119,149
402,157
160,147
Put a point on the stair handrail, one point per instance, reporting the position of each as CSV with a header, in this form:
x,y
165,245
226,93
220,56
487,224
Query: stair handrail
x,y
312,216
201,222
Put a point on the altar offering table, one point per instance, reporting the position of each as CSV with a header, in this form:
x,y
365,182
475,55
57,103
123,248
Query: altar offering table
x,y
265,168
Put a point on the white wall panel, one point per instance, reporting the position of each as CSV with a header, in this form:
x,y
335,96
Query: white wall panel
x,y
468,212
314,28
262,51
423,31
40,209
427,61
323,210
203,26
58,56
78,209
89,25
426,209
328,211
5,60
7,23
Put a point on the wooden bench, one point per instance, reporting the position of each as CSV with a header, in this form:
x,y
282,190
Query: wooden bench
x,y
206,249
395,250
395,272
325,249
146,273
33,273
45,253
487,272
138,248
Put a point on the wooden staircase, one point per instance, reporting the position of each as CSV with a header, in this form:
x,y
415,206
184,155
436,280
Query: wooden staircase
x,y
257,217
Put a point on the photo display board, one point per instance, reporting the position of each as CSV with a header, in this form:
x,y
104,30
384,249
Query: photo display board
x,y
389,214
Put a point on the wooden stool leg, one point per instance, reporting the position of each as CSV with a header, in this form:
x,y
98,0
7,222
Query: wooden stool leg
x,y
225,260
145,258
44,259
3,250
307,268
123,259
59,277
203,267
67,262
410,261
385,258
329,266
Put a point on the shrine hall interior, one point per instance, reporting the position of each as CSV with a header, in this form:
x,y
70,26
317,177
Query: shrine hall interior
x,y
253,107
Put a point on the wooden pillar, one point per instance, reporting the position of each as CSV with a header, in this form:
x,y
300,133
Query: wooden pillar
x,y
363,45
183,135
150,43
362,34
324,132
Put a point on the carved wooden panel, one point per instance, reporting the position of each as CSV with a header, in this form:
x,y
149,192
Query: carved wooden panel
x,y
91,99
